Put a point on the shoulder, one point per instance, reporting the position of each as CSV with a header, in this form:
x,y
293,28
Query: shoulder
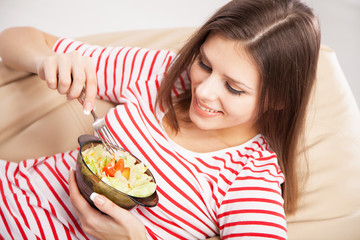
x,y
262,162
253,159
255,169
258,172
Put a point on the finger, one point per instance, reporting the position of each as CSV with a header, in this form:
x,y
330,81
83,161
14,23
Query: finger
x,y
78,75
91,219
78,82
106,206
50,72
117,213
79,203
121,217
64,80
81,207
91,87
74,192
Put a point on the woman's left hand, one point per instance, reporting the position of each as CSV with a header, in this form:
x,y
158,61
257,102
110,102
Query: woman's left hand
x,y
117,223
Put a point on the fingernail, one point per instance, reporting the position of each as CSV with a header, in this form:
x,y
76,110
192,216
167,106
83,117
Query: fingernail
x,y
94,197
87,109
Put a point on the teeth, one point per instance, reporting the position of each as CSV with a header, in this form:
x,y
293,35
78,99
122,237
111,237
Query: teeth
x,y
206,109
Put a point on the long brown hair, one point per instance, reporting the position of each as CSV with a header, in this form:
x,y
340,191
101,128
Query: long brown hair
x,y
283,38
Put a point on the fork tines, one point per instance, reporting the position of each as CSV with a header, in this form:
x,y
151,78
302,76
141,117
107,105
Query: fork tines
x,y
106,136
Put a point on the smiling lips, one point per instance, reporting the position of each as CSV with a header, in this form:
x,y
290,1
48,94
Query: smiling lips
x,y
206,109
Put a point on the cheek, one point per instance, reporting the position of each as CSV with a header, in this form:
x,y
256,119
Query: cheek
x,y
196,75
244,108
252,109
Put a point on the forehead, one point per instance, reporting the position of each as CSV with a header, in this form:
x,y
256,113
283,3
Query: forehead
x,y
224,45
230,58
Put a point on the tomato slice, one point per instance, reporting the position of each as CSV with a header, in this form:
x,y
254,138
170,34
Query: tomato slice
x,y
109,169
120,165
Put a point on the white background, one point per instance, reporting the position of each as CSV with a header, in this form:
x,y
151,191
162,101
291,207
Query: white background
x,y
340,21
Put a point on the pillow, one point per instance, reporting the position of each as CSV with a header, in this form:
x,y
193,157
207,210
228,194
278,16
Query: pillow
x,y
330,199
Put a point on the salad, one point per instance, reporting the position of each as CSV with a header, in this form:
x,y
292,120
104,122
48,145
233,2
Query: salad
x,y
120,171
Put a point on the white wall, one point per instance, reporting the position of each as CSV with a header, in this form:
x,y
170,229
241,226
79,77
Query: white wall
x,y
80,17
340,26
340,20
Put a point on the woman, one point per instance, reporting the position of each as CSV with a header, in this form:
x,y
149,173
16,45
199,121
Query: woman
x,y
219,125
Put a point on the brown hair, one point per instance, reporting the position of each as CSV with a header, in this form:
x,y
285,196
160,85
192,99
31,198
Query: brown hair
x,y
283,38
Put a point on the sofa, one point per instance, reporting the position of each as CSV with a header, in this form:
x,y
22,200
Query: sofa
x,y
36,121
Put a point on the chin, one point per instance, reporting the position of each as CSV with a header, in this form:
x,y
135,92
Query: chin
x,y
202,124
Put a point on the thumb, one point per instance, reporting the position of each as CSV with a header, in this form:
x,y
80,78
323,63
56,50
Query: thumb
x,y
122,218
104,204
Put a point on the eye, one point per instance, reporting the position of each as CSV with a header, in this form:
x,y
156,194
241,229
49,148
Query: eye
x,y
203,65
233,90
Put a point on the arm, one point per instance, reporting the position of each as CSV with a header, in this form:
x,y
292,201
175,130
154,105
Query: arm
x,y
28,49
22,47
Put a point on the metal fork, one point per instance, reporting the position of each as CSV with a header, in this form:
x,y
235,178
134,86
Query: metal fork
x,y
101,129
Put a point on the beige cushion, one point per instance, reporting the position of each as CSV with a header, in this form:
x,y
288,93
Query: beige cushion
x,y
38,122
330,203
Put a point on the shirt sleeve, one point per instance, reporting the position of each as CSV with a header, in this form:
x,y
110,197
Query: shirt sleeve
x,y
253,206
123,72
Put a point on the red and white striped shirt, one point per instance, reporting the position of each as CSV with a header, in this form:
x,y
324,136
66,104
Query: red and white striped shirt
x,y
234,193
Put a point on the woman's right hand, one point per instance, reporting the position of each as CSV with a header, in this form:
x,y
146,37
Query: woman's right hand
x,y
29,49
69,73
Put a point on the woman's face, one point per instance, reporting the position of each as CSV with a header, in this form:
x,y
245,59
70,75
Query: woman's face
x,y
225,85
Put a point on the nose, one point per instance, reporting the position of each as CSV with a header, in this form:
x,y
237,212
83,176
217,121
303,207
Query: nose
x,y
209,88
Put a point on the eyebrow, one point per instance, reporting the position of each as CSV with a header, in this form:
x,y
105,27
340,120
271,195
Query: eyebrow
x,y
236,82
203,54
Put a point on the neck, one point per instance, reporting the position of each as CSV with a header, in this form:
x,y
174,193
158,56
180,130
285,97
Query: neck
x,y
235,136
193,138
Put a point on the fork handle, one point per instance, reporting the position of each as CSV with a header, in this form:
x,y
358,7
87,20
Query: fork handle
x,y
81,99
